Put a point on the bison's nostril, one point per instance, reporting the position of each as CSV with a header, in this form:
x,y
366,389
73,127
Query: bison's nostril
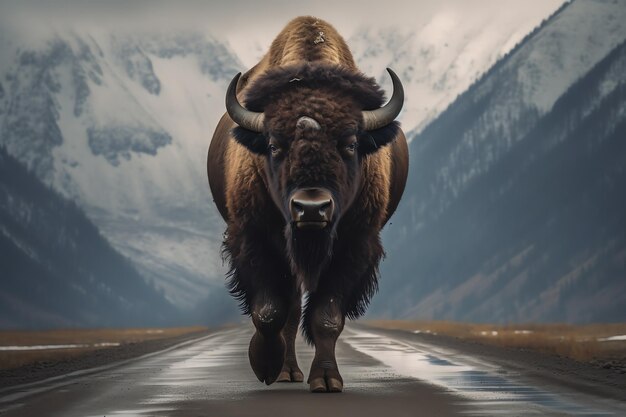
x,y
311,206
324,207
297,207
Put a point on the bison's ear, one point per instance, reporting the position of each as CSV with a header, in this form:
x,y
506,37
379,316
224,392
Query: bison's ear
x,y
254,141
372,140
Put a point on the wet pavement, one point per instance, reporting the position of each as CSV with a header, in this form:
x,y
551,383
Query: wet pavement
x,y
488,389
384,375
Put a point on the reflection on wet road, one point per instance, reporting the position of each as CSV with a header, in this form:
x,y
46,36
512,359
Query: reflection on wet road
x,y
488,389
211,376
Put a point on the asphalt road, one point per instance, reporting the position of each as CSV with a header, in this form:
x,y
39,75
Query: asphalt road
x,y
385,374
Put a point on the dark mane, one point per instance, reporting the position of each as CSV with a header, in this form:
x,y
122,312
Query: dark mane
x,y
277,81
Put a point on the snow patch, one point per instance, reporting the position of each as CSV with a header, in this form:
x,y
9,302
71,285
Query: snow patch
x,y
51,347
621,337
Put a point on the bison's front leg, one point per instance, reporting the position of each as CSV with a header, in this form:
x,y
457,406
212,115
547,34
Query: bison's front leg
x,y
265,288
267,347
324,321
291,371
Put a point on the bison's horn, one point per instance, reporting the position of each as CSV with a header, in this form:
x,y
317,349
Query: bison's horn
x,y
375,119
245,118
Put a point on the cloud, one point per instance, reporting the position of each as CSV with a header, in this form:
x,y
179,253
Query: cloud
x,y
249,25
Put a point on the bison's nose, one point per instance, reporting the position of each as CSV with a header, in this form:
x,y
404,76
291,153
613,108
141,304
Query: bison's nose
x,y
311,208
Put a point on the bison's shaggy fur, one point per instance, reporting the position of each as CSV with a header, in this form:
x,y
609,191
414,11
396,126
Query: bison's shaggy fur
x,y
315,76
271,259
316,80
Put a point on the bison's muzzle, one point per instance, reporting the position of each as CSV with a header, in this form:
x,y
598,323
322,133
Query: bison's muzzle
x,y
311,208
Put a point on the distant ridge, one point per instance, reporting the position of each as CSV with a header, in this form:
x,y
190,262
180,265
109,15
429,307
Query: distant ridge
x,y
58,271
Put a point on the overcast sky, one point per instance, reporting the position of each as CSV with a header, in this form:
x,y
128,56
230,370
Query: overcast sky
x,y
248,25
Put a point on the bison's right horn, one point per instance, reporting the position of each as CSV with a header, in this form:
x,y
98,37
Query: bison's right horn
x,y
375,119
243,117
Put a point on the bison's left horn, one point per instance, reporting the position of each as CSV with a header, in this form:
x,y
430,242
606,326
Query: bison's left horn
x,y
375,119
243,117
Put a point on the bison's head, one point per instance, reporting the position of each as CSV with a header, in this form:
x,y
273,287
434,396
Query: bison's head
x,y
313,125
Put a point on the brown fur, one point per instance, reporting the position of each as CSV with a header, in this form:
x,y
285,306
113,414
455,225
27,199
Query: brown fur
x,y
296,43
305,73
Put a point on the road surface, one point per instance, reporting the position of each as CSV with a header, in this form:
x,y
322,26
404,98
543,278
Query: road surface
x,y
385,374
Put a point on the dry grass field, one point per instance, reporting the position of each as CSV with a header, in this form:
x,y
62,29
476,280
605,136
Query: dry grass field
x,y
47,345
580,342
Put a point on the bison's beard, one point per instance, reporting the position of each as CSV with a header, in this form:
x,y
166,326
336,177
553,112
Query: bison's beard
x,y
309,253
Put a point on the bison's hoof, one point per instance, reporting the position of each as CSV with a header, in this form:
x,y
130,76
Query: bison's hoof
x,y
325,378
267,355
290,373
326,384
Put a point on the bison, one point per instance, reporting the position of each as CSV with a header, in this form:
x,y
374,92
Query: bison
x,y
306,167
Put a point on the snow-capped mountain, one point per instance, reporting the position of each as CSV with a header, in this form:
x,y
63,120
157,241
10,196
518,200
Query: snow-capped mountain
x,y
440,57
513,207
120,120
507,102
121,124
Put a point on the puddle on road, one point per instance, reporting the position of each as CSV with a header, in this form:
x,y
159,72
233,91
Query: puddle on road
x,y
489,392
200,369
187,374
138,412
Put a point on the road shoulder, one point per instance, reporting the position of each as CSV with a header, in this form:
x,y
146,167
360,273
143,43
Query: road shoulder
x,y
40,371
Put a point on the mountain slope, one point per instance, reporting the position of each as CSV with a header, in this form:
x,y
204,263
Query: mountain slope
x,y
57,270
513,206
120,123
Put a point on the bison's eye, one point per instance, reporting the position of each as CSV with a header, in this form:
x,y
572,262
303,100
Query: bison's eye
x,y
273,149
